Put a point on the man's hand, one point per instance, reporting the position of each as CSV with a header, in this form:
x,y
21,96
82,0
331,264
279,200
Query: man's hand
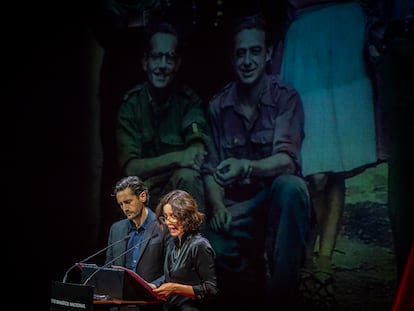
x,y
193,156
221,219
229,171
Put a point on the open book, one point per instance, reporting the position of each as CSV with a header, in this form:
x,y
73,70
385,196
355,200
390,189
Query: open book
x,y
141,282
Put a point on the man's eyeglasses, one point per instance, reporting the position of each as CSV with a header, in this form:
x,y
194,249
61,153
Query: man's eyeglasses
x,y
170,57
172,219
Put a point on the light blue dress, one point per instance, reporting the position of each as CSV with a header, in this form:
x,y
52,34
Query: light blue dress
x,y
323,59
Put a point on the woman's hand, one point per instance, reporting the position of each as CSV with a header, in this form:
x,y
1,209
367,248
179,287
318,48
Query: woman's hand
x,y
168,289
165,290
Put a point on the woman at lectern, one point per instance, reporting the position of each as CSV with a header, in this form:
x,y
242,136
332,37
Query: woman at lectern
x,y
189,270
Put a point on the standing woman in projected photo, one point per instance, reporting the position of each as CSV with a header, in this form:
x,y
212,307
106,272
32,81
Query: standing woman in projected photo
x,y
323,58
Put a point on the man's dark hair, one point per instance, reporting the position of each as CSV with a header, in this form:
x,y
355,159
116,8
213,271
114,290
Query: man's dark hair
x,y
134,183
162,27
254,21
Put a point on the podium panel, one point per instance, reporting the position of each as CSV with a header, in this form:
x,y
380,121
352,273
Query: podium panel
x,y
71,297
117,283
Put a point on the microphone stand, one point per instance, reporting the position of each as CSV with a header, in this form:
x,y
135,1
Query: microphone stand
x,y
77,264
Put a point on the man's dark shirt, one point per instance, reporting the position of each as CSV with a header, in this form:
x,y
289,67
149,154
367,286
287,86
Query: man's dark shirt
x,y
277,128
144,132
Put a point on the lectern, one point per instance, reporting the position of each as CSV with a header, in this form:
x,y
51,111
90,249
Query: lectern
x,y
101,286
117,283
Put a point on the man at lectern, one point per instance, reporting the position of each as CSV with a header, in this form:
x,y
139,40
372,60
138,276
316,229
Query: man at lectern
x,y
144,250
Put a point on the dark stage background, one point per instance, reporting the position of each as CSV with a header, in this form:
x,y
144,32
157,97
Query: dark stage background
x,y
59,146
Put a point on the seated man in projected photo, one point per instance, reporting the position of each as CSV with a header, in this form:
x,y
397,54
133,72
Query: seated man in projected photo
x,y
162,130
257,203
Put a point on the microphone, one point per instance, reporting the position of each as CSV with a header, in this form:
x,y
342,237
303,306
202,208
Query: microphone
x,y
117,257
91,256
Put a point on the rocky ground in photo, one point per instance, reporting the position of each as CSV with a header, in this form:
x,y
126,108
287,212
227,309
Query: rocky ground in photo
x,y
364,262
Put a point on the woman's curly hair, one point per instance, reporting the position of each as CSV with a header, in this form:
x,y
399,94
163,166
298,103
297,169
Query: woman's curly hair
x,y
185,209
